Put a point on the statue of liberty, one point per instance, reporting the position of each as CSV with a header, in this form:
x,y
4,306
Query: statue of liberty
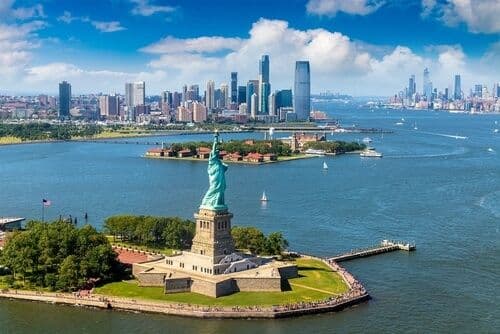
x,y
214,198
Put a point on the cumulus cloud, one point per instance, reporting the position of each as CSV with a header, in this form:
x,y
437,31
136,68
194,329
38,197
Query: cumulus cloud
x,y
16,44
102,26
39,77
201,44
480,16
8,11
145,8
353,7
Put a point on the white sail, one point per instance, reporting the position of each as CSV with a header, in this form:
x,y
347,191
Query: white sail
x,y
325,166
264,197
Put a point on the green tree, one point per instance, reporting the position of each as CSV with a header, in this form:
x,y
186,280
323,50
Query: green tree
x,y
68,274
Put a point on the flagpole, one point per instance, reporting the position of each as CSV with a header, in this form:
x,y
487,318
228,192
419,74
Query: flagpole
x,y
43,212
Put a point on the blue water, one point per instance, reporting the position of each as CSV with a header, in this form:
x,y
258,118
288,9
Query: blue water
x,y
440,192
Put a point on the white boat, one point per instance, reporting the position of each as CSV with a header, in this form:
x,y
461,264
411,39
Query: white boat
x,y
325,166
491,150
370,153
367,140
264,197
496,130
399,123
415,126
316,152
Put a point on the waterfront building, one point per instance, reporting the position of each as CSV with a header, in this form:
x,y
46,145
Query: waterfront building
x,y
199,113
264,86
457,94
254,106
176,99
302,91
64,100
242,94
234,87
210,95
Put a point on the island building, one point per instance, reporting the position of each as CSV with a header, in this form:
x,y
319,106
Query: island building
x,y
213,266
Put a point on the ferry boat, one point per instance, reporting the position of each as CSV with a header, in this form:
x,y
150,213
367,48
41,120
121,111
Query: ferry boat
x,y
367,140
316,152
264,197
370,153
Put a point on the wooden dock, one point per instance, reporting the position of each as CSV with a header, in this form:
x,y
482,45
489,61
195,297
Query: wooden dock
x,y
385,246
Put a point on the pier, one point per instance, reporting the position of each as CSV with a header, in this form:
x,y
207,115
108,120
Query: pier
x,y
385,246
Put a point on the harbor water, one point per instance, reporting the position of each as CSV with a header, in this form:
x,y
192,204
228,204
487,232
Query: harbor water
x,y
437,185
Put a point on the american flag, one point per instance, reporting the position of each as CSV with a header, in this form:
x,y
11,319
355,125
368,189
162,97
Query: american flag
x,y
46,202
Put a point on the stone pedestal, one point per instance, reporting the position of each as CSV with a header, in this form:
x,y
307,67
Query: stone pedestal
x,y
213,234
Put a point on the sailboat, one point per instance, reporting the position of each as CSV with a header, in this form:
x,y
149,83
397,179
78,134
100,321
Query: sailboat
x,y
415,126
264,197
325,166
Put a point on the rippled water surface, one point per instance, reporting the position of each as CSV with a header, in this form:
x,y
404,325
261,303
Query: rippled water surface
x,y
431,188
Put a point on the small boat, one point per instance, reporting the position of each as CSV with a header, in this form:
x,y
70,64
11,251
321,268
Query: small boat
x,y
370,153
491,150
399,123
415,126
495,131
367,140
264,197
315,152
325,166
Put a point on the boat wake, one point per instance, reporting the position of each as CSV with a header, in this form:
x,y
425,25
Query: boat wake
x,y
458,151
445,135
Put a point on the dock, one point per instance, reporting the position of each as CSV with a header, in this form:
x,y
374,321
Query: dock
x,y
385,246
10,223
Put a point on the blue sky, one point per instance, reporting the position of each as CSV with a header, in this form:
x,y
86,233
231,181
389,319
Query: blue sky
x,y
360,47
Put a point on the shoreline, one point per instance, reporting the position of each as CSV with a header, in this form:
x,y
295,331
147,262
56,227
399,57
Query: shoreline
x,y
355,295
287,158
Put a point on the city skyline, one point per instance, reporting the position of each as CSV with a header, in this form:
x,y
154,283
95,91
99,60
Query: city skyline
x,y
47,42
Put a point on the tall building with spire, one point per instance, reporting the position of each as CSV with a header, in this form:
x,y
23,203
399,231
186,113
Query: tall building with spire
x,y
264,85
302,90
210,95
427,85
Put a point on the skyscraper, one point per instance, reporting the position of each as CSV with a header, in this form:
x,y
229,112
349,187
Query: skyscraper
x,y
302,93
457,94
478,90
264,85
412,87
272,104
427,85
242,94
234,87
225,97
135,94
252,87
284,99
64,99
109,106
210,96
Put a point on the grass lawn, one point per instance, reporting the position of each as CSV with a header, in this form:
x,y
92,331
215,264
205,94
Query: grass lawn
x,y
313,276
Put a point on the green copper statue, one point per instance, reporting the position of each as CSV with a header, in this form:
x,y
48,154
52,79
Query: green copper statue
x,y
214,198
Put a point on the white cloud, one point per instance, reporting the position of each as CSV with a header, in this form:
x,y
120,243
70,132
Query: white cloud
x,y
107,26
480,16
201,44
8,11
102,26
84,80
353,7
145,8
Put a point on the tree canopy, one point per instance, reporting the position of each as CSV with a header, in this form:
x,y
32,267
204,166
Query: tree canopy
x,y
59,255
256,242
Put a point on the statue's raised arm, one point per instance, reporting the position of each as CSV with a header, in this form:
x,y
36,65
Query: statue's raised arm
x,y
214,197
